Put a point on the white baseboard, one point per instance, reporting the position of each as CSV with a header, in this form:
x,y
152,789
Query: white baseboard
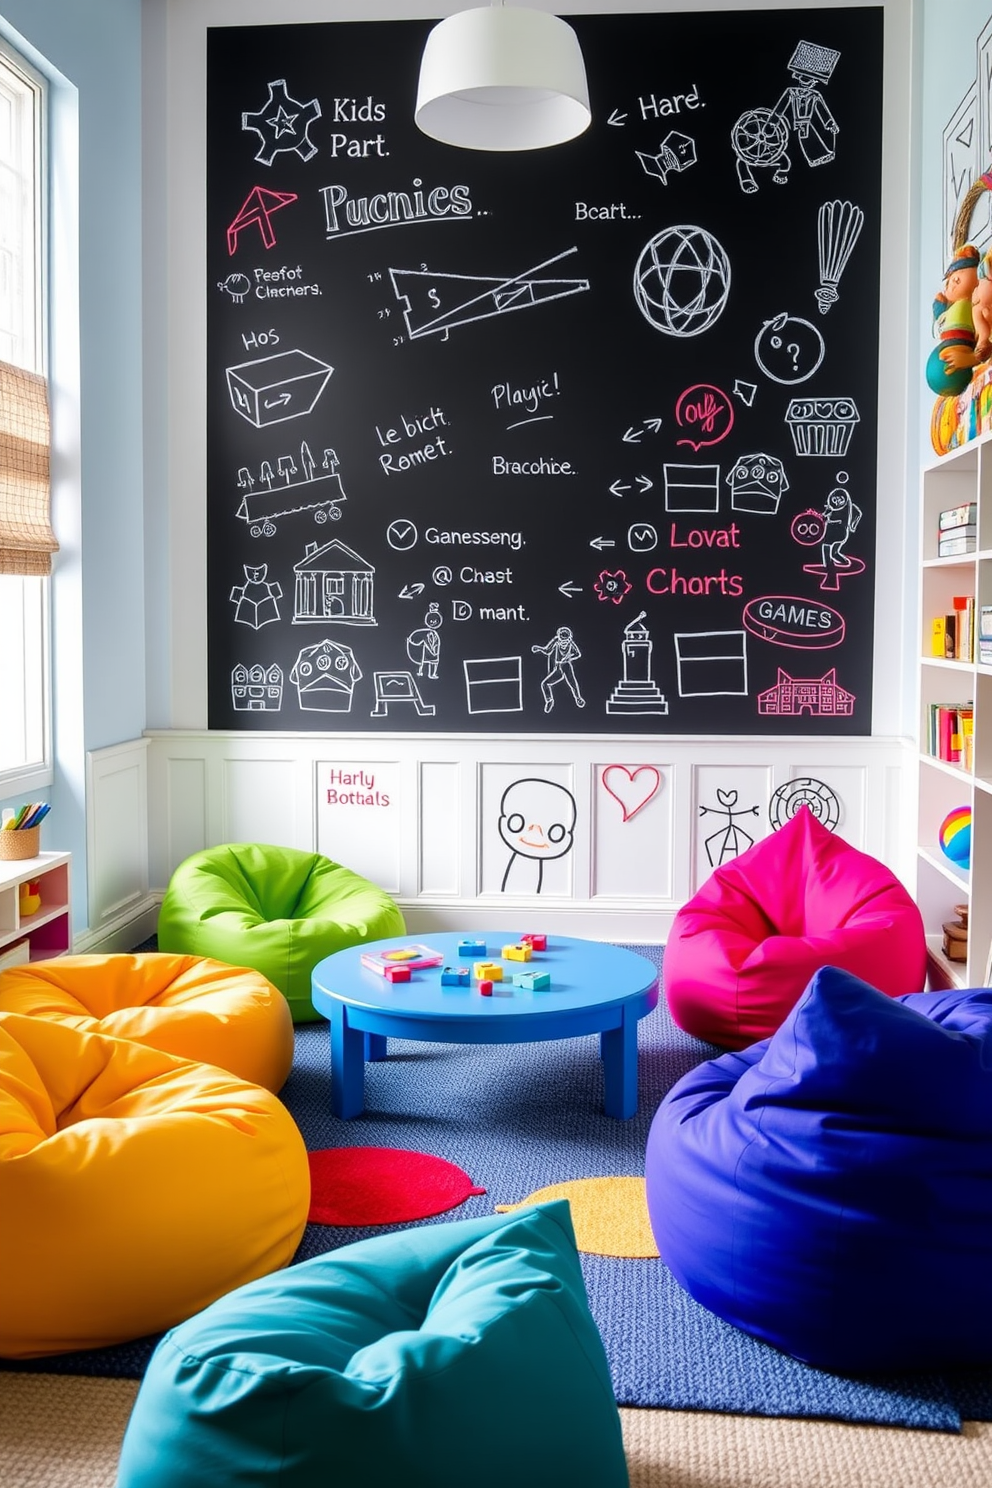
x,y
123,933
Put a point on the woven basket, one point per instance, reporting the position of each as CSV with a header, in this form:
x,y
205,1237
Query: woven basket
x,y
17,845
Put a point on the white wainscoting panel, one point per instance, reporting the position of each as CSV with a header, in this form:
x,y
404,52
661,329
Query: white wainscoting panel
x,y
116,837
439,828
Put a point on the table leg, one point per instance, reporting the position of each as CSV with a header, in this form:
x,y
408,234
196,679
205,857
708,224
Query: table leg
x,y
347,1066
618,1048
375,1046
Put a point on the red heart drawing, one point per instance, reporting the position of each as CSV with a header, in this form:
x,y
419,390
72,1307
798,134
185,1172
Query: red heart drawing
x,y
626,788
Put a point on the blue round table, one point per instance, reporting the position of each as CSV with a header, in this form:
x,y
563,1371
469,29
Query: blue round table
x,y
595,988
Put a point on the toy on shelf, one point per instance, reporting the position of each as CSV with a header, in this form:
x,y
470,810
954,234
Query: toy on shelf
x,y
955,836
29,897
955,944
410,957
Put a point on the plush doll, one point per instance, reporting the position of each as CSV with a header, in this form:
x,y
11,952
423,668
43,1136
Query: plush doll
x,y
981,309
950,364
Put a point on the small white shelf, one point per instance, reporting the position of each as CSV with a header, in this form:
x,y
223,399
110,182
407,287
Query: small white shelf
x,y
48,931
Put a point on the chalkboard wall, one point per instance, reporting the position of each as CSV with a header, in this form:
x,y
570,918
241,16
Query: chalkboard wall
x,y
569,441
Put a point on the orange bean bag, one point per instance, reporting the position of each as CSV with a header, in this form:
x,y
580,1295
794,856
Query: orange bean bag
x,y
185,1005
135,1188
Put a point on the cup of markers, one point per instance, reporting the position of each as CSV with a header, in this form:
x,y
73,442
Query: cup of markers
x,y
20,831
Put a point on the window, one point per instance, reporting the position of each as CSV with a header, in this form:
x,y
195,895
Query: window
x,y
24,600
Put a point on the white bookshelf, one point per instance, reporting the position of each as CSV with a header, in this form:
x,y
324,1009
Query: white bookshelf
x,y
48,931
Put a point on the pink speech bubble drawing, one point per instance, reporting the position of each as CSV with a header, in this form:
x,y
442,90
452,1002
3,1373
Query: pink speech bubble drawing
x,y
626,786
707,410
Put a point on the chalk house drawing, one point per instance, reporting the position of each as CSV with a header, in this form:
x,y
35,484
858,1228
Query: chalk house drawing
x,y
435,303
814,794
682,281
760,137
333,584
731,839
537,823
282,125
788,348
256,688
325,675
819,697
675,153
276,388
256,601
637,692
838,227
562,654
283,495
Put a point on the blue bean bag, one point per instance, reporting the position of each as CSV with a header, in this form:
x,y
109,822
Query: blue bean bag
x,y
454,1353
829,1190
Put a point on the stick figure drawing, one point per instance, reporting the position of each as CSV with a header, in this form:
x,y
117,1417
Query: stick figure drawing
x,y
537,823
561,652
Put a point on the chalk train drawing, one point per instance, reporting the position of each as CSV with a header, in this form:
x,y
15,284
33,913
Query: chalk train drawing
x,y
839,518
757,483
397,687
494,684
612,586
424,646
788,348
325,675
562,653
260,508
333,585
282,125
257,210
256,688
276,388
760,137
435,303
256,600
795,794
692,488
676,153
682,280
711,663
820,697
237,286
629,789
537,823
731,840
637,692
822,426
838,227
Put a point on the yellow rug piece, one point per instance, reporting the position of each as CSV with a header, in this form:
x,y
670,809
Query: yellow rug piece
x,y
610,1215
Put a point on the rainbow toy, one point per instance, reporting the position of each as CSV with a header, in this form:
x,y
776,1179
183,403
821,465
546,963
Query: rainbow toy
x,y
955,836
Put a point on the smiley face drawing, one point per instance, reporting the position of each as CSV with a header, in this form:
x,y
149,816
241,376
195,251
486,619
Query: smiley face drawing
x,y
537,823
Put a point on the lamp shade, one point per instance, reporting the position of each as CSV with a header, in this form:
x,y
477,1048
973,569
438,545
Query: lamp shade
x,y
502,78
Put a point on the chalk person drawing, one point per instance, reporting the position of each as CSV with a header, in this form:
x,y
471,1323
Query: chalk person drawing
x,y
424,646
537,823
831,528
731,840
256,601
562,653
760,137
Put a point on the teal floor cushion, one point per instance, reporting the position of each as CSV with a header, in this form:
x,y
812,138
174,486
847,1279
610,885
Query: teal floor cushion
x,y
276,909
434,1357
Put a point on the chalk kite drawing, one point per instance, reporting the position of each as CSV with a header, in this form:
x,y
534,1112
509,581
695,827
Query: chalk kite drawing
x,y
276,388
711,663
637,692
256,600
256,688
757,483
537,823
334,585
682,280
325,675
760,137
257,211
676,153
838,227
435,303
788,348
692,488
820,697
562,653
282,125
423,646
494,684
631,788
795,794
283,495
731,840
822,426
397,687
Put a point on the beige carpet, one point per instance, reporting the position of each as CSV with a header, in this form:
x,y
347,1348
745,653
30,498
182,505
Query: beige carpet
x,y
64,1431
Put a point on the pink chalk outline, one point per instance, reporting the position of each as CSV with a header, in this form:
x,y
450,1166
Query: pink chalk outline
x,y
713,403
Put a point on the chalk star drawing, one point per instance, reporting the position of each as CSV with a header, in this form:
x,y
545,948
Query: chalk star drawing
x,y
281,117
436,303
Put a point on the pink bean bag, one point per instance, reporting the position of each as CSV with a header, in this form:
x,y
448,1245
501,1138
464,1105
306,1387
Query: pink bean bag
x,y
742,950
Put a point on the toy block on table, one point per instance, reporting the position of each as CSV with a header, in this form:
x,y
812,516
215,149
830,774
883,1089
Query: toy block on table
x,y
486,988
532,981
454,976
472,948
519,952
536,942
487,971
396,973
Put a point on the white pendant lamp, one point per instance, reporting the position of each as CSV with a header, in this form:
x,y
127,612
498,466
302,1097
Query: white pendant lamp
x,y
502,78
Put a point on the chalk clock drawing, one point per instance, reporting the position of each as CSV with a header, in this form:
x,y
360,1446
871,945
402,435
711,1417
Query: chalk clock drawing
x,y
788,348
282,125
682,281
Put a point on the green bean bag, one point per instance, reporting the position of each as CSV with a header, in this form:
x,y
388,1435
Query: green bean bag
x,y
448,1354
276,909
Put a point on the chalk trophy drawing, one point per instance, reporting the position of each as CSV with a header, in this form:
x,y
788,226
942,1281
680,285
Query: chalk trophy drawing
x,y
840,517
629,789
731,840
276,388
333,585
692,488
257,210
838,227
256,600
397,687
637,692
760,137
612,586
788,348
795,794
757,484
537,823
284,496
494,684
562,654
819,697
325,675
282,125
682,280
237,286
676,153
435,303
256,688
711,663
424,646
822,426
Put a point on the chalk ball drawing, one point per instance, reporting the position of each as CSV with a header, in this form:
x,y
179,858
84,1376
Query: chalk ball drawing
x,y
288,488
435,303
682,280
423,646
237,286
838,227
707,411
333,583
757,483
731,840
788,348
537,823
282,125
760,137
633,787
562,653
675,153
819,697
494,684
276,388
612,586
256,600
637,691
325,675
397,687
257,210
795,794
256,688
822,426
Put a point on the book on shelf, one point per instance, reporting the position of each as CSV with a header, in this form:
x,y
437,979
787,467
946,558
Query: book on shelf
x,y
937,636
950,635
954,546
950,733
964,637
964,515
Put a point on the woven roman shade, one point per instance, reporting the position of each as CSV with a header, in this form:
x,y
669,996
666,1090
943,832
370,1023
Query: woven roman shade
x,y
27,541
